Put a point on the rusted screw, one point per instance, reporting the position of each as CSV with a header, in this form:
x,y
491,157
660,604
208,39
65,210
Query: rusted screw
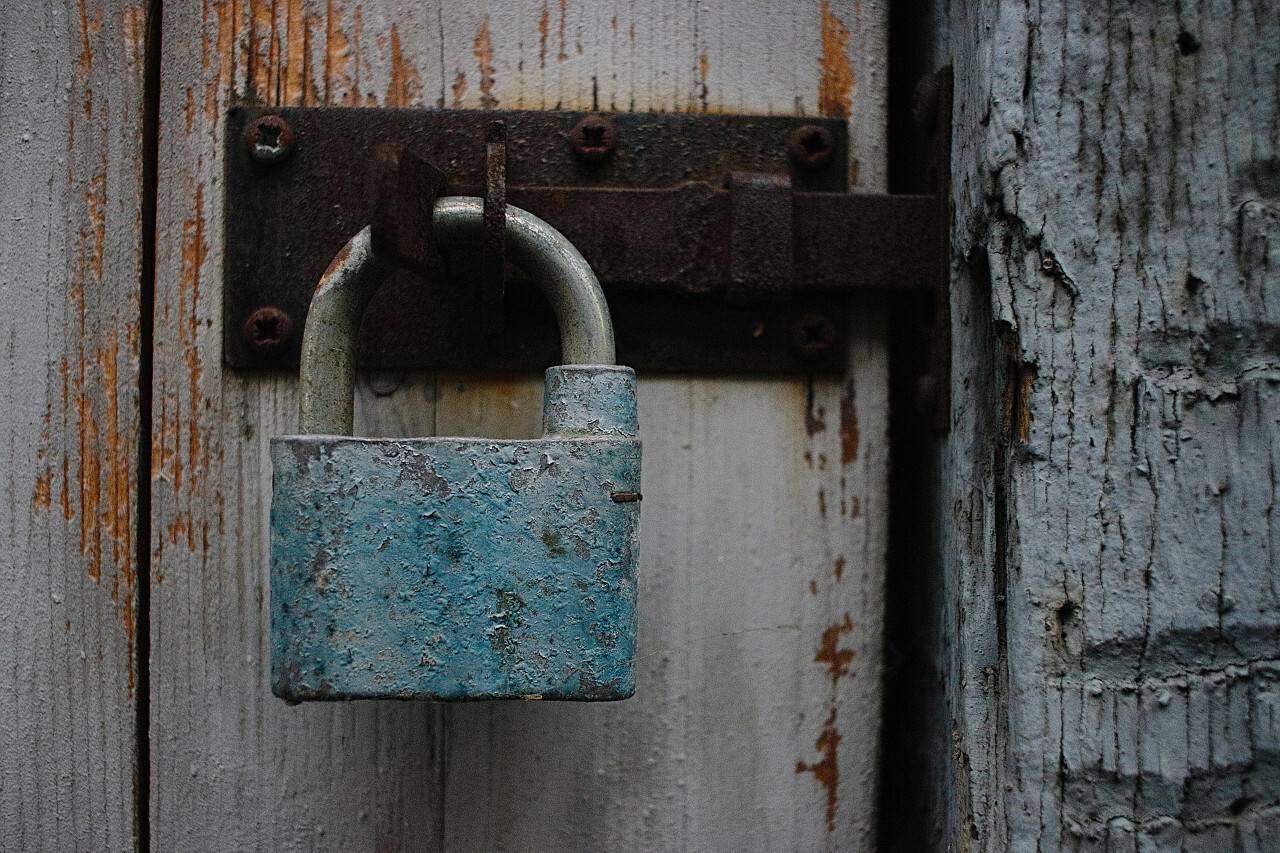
x,y
594,139
812,335
269,139
268,331
810,145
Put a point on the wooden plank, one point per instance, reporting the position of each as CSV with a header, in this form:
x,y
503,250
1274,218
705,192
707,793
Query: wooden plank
x,y
662,770
1111,476
70,260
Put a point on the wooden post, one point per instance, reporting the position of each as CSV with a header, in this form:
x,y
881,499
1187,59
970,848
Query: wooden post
x,y
1110,479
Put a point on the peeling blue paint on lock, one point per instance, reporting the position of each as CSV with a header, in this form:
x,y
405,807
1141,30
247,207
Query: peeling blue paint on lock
x,y
462,568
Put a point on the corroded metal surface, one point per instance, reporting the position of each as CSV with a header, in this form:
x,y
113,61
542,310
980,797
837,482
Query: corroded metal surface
x,y
658,185
462,568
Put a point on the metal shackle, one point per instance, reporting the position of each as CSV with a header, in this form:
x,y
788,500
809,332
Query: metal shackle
x,y
347,286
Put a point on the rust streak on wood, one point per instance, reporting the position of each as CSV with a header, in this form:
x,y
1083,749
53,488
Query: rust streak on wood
x,y
839,568
830,653
335,56
405,83
835,90
827,771
459,89
564,13
544,32
484,53
194,251
89,27
848,427
295,63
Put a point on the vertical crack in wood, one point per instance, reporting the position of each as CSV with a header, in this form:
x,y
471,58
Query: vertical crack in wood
x,y
146,326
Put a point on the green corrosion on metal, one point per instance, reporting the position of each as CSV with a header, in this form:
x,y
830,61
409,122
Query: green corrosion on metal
x,y
462,568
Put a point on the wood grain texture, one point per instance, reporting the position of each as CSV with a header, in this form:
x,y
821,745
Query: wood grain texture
x,y
70,248
756,723
1112,478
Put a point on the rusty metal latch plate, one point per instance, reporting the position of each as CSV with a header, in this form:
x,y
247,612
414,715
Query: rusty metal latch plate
x,y
648,198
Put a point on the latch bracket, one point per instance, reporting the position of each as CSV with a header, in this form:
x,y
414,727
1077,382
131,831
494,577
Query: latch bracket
x,y
722,241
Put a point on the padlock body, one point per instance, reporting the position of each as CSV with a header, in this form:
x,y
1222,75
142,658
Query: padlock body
x,y
454,568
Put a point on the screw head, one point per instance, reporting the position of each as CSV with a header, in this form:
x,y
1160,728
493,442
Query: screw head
x,y
269,139
268,331
594,139
812,335
810,146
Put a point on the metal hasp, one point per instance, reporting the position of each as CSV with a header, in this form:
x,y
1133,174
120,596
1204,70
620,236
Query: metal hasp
x,y
459,568
725,243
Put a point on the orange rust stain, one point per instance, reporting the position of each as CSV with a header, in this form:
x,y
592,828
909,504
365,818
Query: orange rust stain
x,y
484,53
96,200
544,32
564,13
191,109
335,54
813,587
88,103
405,83
808,458
228,17
205,53
259,64
295,64
117,520
839,570
827,771
211,103
134,29
829,653
848,427
815,420
704,66
352,97
90,479
64,499
88,28
43,498
459,89
614,23
835,90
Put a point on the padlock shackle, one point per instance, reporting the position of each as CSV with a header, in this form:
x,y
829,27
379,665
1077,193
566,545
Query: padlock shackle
x,y
327,375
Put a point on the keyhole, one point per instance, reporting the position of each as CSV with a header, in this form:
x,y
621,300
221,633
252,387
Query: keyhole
x,y
593,137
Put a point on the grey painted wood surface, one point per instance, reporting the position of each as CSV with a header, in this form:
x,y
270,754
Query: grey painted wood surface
x,y
71,109
755,727
1108,514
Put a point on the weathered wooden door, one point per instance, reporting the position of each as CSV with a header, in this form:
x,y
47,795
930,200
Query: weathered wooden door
x,y
756,721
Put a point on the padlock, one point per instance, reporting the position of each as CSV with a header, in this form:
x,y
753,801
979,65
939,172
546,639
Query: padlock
x,y
459,568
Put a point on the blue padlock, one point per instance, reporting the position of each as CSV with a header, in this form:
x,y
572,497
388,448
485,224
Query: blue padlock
x,y
459,568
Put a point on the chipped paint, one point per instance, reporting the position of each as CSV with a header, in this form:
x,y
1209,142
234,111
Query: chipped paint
x,y
829,653
835,89
827,771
